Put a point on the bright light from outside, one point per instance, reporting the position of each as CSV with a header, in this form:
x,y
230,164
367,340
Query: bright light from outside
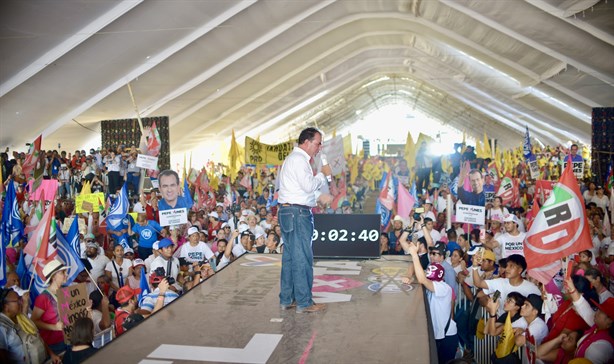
x,y
390,124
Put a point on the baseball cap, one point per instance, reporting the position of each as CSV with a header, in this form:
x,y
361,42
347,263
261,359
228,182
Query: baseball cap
x,y
611,249
246,233
155,245
537,302
192,230
606,307
126,293
440,248
219,204
89,236
489,254
128,251
510,218
214,215
138,262
435,272
260,233
165,243
224,224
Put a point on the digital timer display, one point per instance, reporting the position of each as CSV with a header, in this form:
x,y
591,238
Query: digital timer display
x,y
346,236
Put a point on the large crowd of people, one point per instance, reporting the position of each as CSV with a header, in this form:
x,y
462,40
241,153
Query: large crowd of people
x,y
460,263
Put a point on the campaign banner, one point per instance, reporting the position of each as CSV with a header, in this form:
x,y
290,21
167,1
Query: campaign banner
x,y
346,236
543,189
147,162
576,167
333,149
260,153
47,186
173,217
72,305
68,222
534,168
471,214
89,202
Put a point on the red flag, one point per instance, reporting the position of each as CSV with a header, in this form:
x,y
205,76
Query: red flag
x,y
40,247
532,214
153,141
32,158
386,196
561,227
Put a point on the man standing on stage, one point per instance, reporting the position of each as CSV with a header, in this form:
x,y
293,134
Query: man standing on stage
x,y
297,187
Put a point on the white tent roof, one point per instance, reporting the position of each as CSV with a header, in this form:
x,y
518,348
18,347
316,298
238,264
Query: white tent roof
x,y
269,68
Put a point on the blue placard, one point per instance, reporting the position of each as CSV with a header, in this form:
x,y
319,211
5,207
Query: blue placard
x,y
346,236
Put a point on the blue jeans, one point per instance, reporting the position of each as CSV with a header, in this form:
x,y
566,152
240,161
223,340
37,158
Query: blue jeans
x,y
296,225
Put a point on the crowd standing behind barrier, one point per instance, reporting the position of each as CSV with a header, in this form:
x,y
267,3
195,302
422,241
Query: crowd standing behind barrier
x,y
233,217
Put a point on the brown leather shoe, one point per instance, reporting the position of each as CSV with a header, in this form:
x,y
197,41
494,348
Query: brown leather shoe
x,y
316,307
287,307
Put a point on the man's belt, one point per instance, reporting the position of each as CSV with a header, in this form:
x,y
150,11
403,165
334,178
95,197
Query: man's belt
x,y
296,205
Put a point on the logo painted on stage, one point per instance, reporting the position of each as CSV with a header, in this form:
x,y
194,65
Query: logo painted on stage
x,y
259,260
388,280
333,283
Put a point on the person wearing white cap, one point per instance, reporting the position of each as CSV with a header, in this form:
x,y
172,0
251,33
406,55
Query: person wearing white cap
x,y
64,180
219,208
45,314
195,251
153,256
428,210
214,223
512,241
97,260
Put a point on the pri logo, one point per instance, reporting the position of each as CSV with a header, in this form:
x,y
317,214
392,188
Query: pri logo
x,y
559,224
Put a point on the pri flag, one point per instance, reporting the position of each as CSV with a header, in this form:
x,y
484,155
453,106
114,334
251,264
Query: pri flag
x,y
507,190
32,158
380,209
388,193
560,228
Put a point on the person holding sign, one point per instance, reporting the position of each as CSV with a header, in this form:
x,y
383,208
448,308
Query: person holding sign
x,y
297,187
170,189
45,314
476,196
573,154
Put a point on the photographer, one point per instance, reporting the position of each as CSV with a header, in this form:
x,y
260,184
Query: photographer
x,y
161,296
167,262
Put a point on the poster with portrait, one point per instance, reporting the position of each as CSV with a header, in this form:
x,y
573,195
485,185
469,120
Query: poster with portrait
x,y
175,202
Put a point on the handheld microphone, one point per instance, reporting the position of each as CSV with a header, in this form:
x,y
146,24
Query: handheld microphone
x,y
324,163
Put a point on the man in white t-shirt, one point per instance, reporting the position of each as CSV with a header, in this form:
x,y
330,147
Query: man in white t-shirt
x,y
536,329
98,261
512,241
166,260
435,235
195,250
516,264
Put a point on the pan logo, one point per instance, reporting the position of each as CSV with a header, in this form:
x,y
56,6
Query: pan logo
x,y
388,280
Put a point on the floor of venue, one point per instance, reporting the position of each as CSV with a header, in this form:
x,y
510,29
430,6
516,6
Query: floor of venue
x,y
234,317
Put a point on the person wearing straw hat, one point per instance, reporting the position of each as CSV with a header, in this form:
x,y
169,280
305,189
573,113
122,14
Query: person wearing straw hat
x,y
45,314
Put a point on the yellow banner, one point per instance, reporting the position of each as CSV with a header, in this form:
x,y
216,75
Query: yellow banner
x,y
89,202
260,153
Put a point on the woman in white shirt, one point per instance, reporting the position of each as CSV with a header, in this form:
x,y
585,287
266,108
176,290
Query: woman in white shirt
x,y
118,269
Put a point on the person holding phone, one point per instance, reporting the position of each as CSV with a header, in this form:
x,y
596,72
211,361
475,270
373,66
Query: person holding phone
x,y
439,295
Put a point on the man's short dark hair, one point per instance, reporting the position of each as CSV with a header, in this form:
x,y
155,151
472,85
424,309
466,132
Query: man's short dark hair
x,y
451,233
308,134
168,172
518,260
474,171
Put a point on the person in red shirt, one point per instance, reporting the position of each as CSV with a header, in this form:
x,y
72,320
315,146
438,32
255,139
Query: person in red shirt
x,y
128,299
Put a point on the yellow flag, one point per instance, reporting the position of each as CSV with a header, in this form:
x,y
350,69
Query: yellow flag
x,y
86,189
486,147
410,151
464,147
233,157
505,344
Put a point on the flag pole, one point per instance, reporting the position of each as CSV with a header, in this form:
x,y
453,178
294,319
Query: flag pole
x,y
93,281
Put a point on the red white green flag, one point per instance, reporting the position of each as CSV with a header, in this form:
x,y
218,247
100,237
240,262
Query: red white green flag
x,y
560,228
32,158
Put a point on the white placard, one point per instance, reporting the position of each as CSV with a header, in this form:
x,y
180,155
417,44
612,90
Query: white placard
x,y
147,162
471,214
534,168
173,217
576,167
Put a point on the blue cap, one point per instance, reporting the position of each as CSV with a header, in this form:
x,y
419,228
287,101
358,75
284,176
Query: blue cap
x,y
164,243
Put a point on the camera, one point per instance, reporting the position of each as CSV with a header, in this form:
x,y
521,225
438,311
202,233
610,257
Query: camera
x,y
162,273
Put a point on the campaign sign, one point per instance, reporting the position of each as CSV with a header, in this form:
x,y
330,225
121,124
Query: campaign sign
x,y
147,162
577,168
346,236
68,222
173,217
471,214
72,304
534,168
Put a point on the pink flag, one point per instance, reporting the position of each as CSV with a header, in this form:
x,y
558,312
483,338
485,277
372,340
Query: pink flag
x,y
405,202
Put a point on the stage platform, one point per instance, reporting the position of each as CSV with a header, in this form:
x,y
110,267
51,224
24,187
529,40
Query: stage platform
x,y
234,317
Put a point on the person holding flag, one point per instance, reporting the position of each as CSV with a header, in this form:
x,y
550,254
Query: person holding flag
x,y
45,314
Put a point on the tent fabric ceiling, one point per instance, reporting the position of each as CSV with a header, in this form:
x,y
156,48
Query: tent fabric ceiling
x,y
268,68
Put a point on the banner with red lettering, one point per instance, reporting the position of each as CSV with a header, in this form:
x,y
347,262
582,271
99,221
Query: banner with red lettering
x,y
543,189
